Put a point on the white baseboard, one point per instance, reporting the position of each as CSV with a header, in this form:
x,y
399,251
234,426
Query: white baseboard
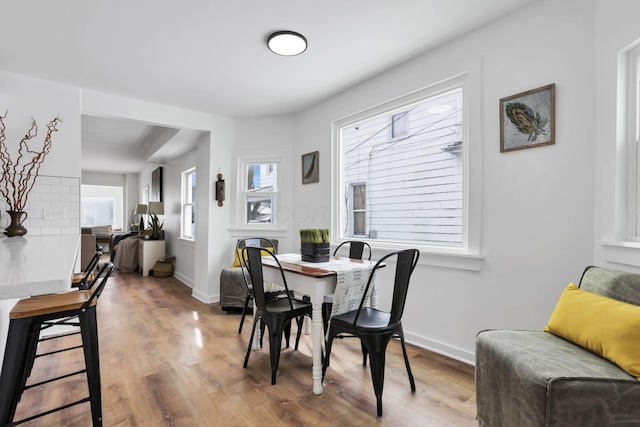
x,y
464,356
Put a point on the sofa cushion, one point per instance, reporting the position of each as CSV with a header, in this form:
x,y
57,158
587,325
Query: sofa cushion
x,y
606,326
236,261
533,378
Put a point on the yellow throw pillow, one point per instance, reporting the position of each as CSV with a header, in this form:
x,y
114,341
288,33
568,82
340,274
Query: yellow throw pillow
x,y
606,326
236,261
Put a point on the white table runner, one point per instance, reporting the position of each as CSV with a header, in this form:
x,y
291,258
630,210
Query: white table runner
x,y
351,279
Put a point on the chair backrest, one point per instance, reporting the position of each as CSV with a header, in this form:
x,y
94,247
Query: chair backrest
x,y
406,261
102,276
252,259
90,270
253,242
620,285
356,249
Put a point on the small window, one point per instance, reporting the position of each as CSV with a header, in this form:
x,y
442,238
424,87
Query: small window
x,y
188,216
400,125
259,194
358,198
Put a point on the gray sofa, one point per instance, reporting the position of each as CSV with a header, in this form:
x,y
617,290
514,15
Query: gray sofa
x,y
233,290
534,378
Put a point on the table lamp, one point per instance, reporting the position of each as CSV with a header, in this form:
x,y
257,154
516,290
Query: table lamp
x,y
141,210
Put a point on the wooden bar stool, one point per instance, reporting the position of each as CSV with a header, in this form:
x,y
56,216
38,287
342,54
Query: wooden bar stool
x,y
27,318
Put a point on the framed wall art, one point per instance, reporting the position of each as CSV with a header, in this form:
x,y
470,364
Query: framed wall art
x,y
527,119
156,185
310,172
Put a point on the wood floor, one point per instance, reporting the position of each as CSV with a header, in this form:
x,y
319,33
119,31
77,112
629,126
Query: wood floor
x,y
170,360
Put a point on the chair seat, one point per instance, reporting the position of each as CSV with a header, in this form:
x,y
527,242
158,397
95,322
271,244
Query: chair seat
x,y
281,305
369,319
51,303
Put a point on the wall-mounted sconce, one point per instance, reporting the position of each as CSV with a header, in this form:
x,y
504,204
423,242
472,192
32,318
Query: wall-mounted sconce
x,y
220,190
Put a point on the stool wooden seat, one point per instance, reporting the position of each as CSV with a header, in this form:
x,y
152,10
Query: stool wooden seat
x,y
27,318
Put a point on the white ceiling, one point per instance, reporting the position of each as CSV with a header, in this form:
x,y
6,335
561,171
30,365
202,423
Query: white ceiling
x,y
211,55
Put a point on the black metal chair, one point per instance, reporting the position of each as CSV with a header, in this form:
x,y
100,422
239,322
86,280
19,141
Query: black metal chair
x,y
276,313
240,245
27,318
82,279
356,251
376,328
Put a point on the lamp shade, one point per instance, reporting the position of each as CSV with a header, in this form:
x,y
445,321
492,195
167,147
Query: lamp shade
x,y
156,208
141,209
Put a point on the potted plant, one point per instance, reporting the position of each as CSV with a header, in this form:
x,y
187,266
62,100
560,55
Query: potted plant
x,y
156,227
314,244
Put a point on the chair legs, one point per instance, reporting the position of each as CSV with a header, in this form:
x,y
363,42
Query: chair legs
x,y
244,311
276,333
376,348
20,354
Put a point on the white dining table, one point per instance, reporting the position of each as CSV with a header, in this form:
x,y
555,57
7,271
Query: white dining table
x,y
33,265
315,280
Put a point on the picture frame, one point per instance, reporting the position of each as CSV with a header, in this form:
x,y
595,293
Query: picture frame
x,y
156,185
310,167
527,119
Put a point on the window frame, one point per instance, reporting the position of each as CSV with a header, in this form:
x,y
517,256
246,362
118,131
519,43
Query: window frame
x,y
243,194
184,203
467,256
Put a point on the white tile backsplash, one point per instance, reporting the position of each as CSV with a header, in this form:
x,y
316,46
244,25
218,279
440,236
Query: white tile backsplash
x,y
53,194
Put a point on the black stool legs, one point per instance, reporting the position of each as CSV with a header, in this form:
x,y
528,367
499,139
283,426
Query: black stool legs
x,y
19,359
13,368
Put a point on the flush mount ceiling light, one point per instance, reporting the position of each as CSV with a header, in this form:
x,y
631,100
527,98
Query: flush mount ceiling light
x,y
287,43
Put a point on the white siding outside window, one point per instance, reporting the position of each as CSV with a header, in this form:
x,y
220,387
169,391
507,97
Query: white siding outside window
x,y
405,185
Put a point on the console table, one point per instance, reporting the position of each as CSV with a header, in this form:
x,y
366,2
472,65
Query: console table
x,y
149,251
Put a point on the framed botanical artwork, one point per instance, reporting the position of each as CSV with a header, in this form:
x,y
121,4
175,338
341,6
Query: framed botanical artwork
x,y
310,172
156,185
527,119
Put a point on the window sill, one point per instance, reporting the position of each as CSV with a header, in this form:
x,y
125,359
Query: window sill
x,y
258,230
187,242
456,260
621,252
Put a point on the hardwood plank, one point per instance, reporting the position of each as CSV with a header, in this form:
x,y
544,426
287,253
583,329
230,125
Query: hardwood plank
x,y
170,360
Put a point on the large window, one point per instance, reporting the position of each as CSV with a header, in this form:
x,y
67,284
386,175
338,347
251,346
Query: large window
x,y
101,205
188,216
258,195
401,170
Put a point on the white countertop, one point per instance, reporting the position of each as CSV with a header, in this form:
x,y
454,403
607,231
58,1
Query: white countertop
x,y
36,265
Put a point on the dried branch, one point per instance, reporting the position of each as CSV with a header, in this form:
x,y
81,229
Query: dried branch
x,y
17,183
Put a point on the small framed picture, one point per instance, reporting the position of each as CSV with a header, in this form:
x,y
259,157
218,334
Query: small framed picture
x,y
310,172
527,119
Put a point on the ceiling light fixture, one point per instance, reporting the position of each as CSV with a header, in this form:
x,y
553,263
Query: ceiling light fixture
x,y
287,43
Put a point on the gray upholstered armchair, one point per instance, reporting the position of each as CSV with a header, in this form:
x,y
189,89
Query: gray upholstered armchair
x,y
536,378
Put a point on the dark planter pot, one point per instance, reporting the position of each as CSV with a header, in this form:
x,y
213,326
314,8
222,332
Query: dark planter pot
x,y
315,252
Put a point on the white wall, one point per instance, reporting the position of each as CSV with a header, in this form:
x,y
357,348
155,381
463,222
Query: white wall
x,y
536,204
184,265
265,136
213,153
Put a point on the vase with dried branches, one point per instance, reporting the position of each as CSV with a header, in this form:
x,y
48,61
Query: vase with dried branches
x,y
19,176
